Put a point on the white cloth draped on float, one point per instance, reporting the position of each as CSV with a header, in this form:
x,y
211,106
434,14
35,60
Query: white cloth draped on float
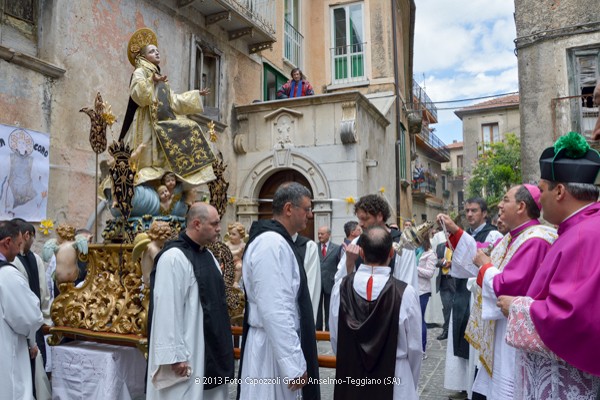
x,y
86,370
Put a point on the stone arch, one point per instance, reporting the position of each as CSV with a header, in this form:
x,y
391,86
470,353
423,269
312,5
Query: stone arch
x,y
250,186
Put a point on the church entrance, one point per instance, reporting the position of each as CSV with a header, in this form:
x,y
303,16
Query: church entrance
x,y
265,209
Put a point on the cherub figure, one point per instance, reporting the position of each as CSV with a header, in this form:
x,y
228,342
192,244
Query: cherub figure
x,y
166,199
66,249
236,242
147,245
176,189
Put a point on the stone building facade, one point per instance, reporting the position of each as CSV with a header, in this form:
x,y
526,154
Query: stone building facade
x,y
485,123
558,50
348,140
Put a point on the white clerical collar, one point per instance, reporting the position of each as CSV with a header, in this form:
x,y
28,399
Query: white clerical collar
x,y
382,270
582,208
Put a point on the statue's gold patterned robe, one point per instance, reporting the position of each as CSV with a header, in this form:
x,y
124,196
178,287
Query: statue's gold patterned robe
x,y
173,142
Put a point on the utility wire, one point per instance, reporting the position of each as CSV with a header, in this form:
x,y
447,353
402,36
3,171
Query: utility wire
x,y
474,98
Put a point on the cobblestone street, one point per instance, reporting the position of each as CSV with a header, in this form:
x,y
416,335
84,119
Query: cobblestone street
x,y
431,384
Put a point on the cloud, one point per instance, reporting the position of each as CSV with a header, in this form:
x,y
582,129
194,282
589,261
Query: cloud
x,y
464,49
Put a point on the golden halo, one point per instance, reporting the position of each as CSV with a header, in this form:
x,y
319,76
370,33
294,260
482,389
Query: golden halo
x,y
142,37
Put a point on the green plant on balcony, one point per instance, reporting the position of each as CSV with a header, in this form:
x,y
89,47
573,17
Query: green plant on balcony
x,y
446,193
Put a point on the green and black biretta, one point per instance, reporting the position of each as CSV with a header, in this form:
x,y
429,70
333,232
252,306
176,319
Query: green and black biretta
x,y
570,160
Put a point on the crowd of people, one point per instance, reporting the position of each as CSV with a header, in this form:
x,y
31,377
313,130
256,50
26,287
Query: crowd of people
x,y
516,298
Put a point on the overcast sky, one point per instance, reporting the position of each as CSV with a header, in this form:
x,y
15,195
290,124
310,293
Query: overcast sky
x,y
464,49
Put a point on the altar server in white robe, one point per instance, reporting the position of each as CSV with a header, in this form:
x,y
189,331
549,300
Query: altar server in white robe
x,y
191,351
32,267
373,210
20,318
373,284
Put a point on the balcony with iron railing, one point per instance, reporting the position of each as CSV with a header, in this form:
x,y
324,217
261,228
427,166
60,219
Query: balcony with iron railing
x,y
424,103
348,64
293,45
253,21
424,184
433,145
455,175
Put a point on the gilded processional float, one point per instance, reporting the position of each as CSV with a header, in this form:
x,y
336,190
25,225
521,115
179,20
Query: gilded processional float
x,y
161,156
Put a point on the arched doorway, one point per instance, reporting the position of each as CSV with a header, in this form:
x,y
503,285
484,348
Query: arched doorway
x,y
265,209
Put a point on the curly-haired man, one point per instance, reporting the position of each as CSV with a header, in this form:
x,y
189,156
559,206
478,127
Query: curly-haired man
x,y
373,210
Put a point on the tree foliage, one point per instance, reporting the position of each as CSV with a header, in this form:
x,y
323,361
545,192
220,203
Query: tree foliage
x,y
496,170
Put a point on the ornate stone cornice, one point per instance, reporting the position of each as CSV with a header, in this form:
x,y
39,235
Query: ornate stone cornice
x,y
30,62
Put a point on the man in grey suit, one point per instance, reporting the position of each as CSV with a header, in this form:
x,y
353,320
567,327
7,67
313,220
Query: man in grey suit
x,y
328,254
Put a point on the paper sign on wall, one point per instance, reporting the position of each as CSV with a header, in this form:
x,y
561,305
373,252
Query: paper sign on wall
x,y
24,171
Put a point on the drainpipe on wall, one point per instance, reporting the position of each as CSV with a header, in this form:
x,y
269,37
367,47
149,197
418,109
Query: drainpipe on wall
x,y
398,109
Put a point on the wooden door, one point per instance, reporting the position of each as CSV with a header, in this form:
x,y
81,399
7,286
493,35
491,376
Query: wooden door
x,y
265,208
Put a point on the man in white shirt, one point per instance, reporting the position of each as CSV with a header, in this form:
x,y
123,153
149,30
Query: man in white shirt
x,y
328,256
460,356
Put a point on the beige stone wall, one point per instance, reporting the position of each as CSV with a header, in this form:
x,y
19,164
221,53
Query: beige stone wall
x,y
546,31
88,40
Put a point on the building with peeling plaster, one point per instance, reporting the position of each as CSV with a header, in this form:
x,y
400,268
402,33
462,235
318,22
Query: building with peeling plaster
x,y
558,48
349,139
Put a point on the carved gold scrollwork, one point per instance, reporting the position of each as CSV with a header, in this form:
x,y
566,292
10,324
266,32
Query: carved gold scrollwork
x,y
112,298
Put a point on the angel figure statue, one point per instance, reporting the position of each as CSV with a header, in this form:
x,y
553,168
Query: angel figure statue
x,y
70,250
236,241
147,245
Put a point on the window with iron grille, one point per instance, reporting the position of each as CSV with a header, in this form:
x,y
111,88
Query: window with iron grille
x,y
292,44
584,74
348,38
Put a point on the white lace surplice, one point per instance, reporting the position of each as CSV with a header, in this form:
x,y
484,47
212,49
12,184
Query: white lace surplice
x,y
540,373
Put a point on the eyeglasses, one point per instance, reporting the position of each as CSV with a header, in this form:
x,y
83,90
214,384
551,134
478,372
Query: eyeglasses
x,y
306,209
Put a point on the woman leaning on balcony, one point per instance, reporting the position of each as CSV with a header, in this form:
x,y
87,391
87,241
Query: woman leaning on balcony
x,y
298,86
